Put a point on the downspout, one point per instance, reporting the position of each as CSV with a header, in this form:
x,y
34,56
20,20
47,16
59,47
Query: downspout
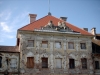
x,y
19,65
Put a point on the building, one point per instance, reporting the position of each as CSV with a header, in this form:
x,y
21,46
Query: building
x,y
9,59
52,46
96,51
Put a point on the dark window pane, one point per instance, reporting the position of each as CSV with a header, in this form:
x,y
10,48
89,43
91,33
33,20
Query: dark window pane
x,y
0,62
44,62
83,45
71,63
84,63
96,64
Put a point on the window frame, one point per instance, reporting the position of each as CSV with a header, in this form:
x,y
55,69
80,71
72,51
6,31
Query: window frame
x,y
32,41
56,63
44,43
60,44
15,63
71,64
82,43
1,62
69,43
84,63
30,60
97,66
44,64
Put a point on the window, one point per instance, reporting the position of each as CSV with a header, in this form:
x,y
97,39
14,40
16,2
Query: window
x,y
0,61
44,62
44,44
83,45
58,63
97,65
58,44
84,63
30,43
13,63
70,45
30,62
71,63
18,40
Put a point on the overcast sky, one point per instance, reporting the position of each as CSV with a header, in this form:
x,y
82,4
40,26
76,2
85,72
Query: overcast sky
x,y
14,14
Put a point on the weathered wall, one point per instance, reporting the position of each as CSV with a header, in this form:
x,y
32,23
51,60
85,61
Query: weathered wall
x,y
6,66
51,52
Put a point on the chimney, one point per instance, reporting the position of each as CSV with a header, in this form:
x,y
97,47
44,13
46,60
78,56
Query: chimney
x,y
63,18
32,17
86,29
93,31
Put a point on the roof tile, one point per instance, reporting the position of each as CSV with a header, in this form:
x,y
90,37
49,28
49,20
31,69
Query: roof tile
x,y
44,21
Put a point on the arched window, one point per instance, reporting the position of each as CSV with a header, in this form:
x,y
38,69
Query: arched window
x,y
84,63
0,61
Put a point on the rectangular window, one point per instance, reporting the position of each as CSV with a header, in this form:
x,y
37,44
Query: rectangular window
x,y
58,63
83,45
71,63
58,44
0,62
30,62
97,65
13,63
44,44
70,45
84,63
30,43
44,62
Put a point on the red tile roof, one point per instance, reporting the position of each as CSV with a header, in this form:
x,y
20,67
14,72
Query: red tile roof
x,y
9,49
44,21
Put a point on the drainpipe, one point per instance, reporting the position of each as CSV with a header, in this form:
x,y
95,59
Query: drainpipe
x,y
19,65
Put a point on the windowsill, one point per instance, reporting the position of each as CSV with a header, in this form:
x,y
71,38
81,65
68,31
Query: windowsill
x,y
71,49
83,49
71,68
44,48
97,69
30,47
58,48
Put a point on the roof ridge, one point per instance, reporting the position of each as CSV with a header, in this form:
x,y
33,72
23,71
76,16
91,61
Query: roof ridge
x,y
33,22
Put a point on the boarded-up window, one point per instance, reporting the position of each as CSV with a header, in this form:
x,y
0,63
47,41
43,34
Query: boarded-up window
x,y
84,63
44,44
58,44
30,62
58,63
0,62
30,43
97,65
70,45
71,63
13,63
44,62
83,45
